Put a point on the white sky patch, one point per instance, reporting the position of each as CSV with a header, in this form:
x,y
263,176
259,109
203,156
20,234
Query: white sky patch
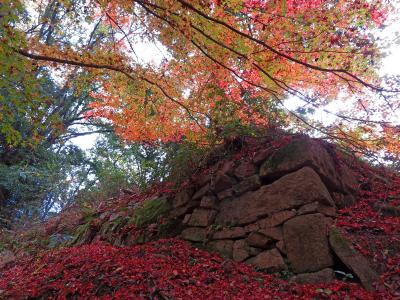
x,y
150,53
390,65
85,142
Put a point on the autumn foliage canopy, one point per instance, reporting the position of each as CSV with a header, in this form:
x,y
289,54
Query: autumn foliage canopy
x,y
224,61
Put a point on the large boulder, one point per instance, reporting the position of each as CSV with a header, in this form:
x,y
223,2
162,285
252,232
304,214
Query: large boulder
x,y
307,244
292,190
303,152
352,259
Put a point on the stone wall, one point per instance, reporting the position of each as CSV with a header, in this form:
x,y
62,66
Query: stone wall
x,y
273,211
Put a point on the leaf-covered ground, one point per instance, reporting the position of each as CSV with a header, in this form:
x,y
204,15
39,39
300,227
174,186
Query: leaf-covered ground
x,y
174,269
166,269
373,225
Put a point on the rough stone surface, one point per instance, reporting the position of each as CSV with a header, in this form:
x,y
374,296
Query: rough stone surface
x,y
222,182
241,250
254,251
227,194
316,207
245,169
275,233
307,152
209,201
258,240
202,217
224,247
281,247
277,219
307,244
328,211
352,259
229,233
247,184
182,198
186,219
251,227
281,202
309,208
194,234
270,261
292,190
324,276
201,192
183,210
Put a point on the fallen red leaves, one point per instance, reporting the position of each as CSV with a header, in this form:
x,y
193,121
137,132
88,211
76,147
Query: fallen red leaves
x,y
373,233
166,269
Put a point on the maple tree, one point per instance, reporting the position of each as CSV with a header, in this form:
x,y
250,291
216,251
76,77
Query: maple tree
x,y
225,61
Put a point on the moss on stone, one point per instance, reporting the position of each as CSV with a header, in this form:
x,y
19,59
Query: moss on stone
x,y
336,238
150,211
286,153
